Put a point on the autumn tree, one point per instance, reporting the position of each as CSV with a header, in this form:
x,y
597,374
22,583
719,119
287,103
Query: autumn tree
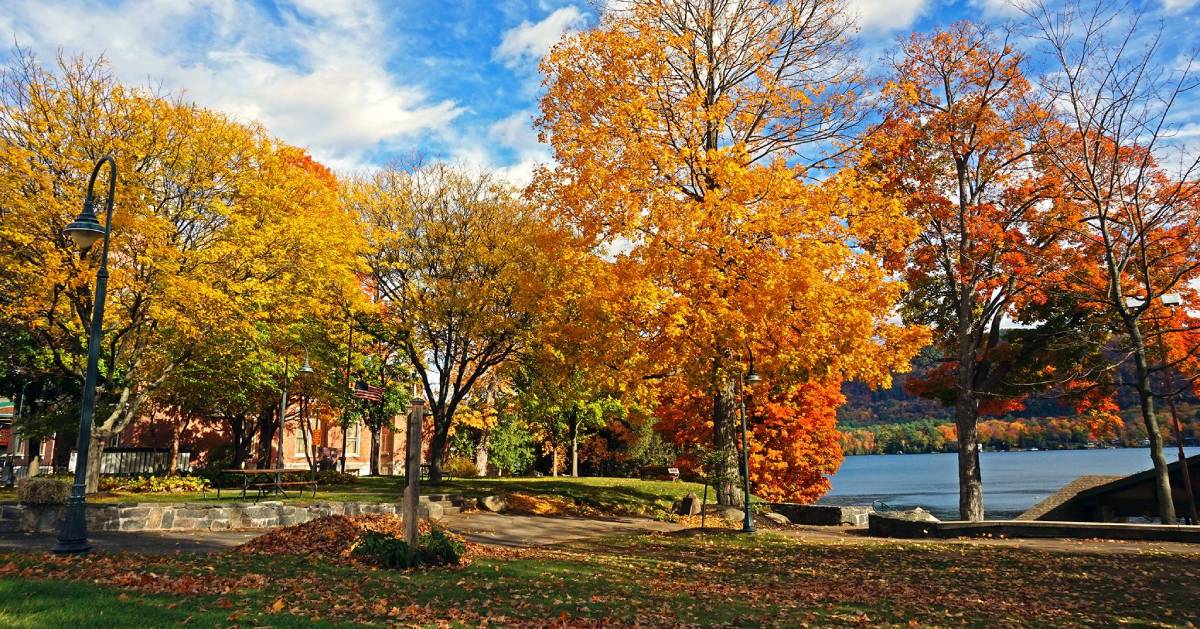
x,y
1133,221
955,143
460,262
685,134
217,228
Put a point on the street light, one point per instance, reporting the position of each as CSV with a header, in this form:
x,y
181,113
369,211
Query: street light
x,y
306,368
84,231
747,519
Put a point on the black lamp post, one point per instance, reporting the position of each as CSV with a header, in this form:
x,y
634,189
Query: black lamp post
x,y
306,368
84,232
747,518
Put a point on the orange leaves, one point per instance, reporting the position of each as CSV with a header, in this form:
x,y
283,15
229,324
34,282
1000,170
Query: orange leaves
x,y
794,442
795,447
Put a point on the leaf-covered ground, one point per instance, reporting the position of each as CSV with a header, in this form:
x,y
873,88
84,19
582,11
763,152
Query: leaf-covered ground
x,y
575,496
650,580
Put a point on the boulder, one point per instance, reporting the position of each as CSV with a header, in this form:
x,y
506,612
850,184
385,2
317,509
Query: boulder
x,y
688,505
495,504
731,514
431,511
777,518
916,515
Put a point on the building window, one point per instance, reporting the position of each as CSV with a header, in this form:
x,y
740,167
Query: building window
x,y
352,439
301,443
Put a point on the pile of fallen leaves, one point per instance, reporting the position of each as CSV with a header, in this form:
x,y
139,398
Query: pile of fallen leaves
x,y
532,504
331,536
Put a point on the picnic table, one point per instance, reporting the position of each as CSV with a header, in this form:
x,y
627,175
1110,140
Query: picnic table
x,y
270,481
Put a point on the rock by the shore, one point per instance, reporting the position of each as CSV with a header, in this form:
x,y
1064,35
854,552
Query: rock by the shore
x,y
916,515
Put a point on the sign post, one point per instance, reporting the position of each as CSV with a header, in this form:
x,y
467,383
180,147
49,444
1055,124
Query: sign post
x,y
412,471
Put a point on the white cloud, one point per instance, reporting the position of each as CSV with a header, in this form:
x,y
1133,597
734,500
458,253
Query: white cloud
x,y
1003,9
315,76
530,41
1175,6
884,16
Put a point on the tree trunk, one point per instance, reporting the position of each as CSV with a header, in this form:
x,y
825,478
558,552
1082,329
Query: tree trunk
x,y
266,436
554,462
95,448
374,468
481,452
1162,481
437,445
725,440
237,427
966,419
172,466
35,457
970,479
575,448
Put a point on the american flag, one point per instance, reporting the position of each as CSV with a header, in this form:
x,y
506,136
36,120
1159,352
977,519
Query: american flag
x,y
364,391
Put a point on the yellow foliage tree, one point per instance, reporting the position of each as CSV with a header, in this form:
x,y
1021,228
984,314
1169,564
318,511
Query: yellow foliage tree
x,y
218,231
686,134
464,268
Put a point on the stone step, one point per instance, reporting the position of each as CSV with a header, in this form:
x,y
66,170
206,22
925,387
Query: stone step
x,y
451,510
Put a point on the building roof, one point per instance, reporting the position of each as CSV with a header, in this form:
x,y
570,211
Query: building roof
x,y
6,408
1069,491
1140,477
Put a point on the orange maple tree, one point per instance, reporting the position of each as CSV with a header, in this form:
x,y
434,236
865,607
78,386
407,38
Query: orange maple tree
x,y
795,446
954,145
686,136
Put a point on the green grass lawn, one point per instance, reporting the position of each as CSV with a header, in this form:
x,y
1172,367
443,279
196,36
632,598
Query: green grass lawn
x,y
653,580
619,496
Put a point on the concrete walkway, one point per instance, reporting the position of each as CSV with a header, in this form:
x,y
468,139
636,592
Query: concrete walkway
x,y
484,528
149,542
847,535
526,530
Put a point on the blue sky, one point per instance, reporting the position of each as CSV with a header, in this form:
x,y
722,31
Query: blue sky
x,y
363,82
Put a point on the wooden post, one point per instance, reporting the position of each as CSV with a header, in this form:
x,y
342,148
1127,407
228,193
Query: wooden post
x,y
412,471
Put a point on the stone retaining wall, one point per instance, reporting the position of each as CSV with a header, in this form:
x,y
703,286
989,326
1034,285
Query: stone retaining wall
x,y
188,516
822,515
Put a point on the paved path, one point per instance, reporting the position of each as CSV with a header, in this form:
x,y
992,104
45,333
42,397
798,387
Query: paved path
x,y
151,542
845,535
483,528
526,530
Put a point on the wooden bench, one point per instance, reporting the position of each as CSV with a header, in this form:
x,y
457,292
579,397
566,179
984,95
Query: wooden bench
x,y
656,472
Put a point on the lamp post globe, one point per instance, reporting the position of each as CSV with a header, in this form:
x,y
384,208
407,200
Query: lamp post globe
x,y
86,229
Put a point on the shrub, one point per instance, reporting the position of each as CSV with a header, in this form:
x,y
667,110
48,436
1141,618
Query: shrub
x,y
384,550
334,477
435,548
155,484
439,549
460,467
43,491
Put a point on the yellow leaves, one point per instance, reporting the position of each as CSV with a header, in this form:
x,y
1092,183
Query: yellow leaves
x,y
215,224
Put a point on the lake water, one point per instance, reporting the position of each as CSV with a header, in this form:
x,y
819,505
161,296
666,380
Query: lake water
x,y
1012,481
